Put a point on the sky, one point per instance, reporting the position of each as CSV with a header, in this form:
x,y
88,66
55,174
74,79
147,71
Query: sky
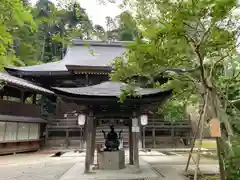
x,y
97,11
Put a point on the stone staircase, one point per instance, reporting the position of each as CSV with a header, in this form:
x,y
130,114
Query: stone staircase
x,y
124,135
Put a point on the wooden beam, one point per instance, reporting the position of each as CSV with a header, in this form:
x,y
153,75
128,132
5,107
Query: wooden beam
x,y
130,144
89,129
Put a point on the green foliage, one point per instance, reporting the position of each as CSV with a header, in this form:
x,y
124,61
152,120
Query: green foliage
x,y
48,106
187,34
179,34
128,91
32,35
14,16
122,27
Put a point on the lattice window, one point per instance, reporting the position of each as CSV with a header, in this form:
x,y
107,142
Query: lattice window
x,y
33,131
23,131
11,131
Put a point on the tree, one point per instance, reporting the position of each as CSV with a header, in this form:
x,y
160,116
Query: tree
x,y
33,35
13,17
197,35
57,24
123,27
100,32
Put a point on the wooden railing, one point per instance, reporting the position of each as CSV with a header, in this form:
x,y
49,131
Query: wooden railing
x,y
63,123
19,109
72,123
157,123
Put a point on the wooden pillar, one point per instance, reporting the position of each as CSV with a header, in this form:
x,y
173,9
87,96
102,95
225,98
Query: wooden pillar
x,y
81,139
67,139
172,134
93,146
144,138
153,137
135,131
130,143
89,129
34,98
22,97
46,135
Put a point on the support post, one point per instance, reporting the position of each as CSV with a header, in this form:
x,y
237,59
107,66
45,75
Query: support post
x,y
135,130
154,137
46,135
34,98
89,129
144,138
81,139
172,134
93,139
130,143
67,139
22,97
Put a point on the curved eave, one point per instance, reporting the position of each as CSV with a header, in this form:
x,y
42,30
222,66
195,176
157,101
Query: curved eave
x,y
79,42
19,72
18,82
153,98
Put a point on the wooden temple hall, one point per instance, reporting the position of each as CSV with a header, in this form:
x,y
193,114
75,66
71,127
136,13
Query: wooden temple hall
x,y
83,103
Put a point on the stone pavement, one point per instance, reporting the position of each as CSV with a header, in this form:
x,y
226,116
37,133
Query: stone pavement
x,y
130,172
36,166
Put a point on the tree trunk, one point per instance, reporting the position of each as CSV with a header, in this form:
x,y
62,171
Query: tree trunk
x,y
214,110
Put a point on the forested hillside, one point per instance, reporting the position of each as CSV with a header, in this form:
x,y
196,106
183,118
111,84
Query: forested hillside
x,y
40,33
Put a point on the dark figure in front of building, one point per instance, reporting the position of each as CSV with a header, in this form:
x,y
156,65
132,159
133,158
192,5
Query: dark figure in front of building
x,y
112,140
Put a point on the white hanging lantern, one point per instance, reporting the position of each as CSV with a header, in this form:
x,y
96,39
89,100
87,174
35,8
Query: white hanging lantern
x,y
144,119
81,119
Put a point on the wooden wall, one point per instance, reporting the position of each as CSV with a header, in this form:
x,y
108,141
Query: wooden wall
x,y
19,109
16,147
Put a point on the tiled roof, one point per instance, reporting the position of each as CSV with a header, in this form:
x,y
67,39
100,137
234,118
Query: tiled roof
x,y
81,53
22,83
110,89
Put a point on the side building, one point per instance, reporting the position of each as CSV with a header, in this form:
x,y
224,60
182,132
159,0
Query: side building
x,y
21,122
89,66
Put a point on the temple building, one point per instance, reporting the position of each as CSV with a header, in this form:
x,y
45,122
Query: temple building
x,y
80,84
21,123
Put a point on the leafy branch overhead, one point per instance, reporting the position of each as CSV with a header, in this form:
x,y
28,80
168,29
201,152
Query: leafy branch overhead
x,y
199,34
128,91
182,34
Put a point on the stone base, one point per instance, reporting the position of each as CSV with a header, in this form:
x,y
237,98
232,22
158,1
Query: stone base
x,y
114,160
